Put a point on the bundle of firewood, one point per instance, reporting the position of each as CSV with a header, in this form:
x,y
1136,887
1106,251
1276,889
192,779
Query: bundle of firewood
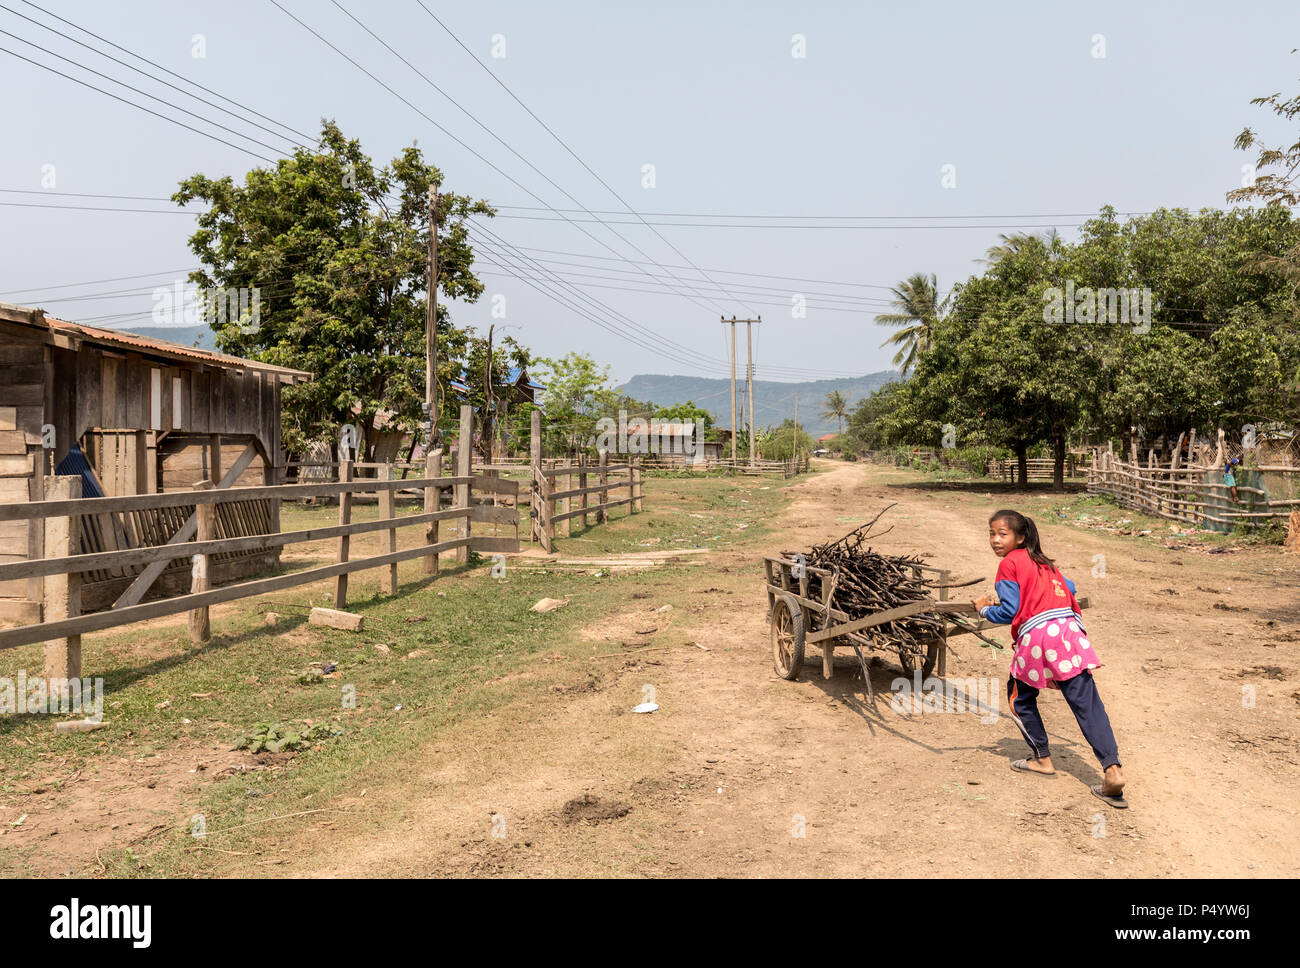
x,y
866,582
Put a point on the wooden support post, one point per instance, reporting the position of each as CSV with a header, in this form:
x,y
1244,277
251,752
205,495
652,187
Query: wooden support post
x,y
535,463
200,576
214,458
828,647
62,592
945,578
387,508
432,502
464,456
582,484
601,515
345,517
563,504
637,482
545,526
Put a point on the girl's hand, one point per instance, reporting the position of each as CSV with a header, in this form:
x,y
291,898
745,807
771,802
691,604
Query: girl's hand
x,y
982,602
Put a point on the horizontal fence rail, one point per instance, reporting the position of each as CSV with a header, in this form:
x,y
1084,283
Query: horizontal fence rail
x,y
68,561
1197,496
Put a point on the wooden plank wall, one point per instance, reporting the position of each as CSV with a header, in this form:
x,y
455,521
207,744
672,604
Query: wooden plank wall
x,y
117,394
22,406
107,396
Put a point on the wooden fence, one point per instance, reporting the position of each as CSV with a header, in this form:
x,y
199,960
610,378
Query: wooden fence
x,y
67,560
1196,495
786,468
1036,468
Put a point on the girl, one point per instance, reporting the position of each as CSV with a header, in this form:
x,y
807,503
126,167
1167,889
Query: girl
x,y
1052,650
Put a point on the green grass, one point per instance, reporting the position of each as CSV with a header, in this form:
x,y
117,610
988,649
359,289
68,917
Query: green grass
x,y
452,644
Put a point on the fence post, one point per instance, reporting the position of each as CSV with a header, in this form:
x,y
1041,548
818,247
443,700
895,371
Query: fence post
x,y
205,516
564,503
387,506
345,517
464,456
62,592
602,515
432,502
582,484
535,463
636,483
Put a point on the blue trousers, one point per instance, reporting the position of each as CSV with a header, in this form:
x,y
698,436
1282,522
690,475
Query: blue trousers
x,y
1084,701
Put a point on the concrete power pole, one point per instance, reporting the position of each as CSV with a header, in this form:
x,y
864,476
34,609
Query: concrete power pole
x,y
733,385
431,324
794,444
749,382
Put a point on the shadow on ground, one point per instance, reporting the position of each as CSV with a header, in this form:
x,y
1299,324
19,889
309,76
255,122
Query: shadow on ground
x,y
990,487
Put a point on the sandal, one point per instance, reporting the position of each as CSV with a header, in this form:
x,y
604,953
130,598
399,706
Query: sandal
x,y
1022,766
1117,801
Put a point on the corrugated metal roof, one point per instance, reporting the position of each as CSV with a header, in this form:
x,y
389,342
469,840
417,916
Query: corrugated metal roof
x,y
128,341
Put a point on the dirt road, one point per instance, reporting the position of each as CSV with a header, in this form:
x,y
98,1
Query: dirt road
x,y
742,774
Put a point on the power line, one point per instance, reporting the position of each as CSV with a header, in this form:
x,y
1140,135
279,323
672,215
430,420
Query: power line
x,y
153,97
494,135
141,107
547,128
156,80
46,191
426,117
95,282
431,121
166,71
789,225
97,208
858,218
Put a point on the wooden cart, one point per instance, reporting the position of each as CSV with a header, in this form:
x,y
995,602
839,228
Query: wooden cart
x,y
798,621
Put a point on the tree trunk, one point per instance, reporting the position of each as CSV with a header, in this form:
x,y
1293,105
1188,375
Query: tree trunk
x,y
1058,461
1022,465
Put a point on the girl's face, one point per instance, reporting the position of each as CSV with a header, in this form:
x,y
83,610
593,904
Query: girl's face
x,y
1002,539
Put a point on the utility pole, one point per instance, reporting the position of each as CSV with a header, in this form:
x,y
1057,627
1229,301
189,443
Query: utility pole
x,y
733,385
431,324
749,381
794,444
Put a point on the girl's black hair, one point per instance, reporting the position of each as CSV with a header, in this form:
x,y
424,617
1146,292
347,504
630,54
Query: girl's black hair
x,y
1024,528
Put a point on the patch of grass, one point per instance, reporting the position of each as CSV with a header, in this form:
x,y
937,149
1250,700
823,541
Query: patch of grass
x,y
439,652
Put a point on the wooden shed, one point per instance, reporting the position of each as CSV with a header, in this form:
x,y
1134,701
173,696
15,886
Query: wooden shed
x,y
131,416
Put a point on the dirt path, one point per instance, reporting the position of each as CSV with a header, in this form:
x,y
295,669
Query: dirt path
x,y
739,773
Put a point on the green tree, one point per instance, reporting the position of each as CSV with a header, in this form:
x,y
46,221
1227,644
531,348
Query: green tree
x,y
836,409
577,395
337,249
917,309
779,443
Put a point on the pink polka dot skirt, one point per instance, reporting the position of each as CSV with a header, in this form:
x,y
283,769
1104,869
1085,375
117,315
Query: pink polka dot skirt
x,y
1052,652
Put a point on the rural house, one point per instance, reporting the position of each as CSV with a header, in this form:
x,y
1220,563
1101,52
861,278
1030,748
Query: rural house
x,y
131,416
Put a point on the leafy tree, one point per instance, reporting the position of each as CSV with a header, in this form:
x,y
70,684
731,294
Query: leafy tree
x,y
867,422
779,443
918,308
337,249
688,412
577,395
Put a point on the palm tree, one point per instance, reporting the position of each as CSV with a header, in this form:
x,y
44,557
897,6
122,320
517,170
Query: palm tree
x,y
918,309
1014,243
836,407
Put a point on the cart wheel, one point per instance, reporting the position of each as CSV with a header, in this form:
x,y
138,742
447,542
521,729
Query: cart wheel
x,y
787,636
907,661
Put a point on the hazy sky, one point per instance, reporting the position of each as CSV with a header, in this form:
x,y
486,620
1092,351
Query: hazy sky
x,y
709,93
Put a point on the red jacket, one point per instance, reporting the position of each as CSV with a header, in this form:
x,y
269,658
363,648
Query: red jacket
x,y
1030,593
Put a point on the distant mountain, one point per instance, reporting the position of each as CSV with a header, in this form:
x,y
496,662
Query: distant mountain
x,y
200,336
773,402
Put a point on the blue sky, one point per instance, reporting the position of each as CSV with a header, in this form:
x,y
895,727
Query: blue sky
x,y
710,95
